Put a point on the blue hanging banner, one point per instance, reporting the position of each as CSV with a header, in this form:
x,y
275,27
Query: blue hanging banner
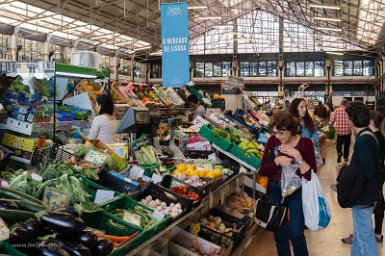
x,y
175,44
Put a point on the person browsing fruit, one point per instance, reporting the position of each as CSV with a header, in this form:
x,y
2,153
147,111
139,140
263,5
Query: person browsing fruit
x,y
282,149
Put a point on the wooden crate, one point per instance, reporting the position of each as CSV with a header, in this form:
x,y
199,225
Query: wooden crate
x,y
117,95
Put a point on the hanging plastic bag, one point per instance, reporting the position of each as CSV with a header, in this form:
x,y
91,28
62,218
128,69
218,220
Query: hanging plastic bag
x,y
315,209
290,181
318,157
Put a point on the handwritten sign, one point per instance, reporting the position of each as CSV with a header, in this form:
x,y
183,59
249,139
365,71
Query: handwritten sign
x,y
95,157
53,198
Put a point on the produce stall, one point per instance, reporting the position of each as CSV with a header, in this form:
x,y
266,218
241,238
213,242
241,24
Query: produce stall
x,y
97,199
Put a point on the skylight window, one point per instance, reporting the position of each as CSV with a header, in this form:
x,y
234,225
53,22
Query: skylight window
x,y
230,3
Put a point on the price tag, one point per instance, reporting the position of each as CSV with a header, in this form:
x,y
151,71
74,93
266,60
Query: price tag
x,y
156,178
136,172
213,157
36,177
196,228
103,196
158,215
95,157
54,199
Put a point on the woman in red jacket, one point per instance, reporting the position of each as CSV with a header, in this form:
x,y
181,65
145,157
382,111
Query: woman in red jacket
x,y
285,147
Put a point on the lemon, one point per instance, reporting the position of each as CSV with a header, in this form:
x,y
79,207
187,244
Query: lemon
x,y
177,171
201,174
190,168
211,175
181,167
217,172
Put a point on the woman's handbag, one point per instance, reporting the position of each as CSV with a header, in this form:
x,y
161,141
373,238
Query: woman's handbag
x,y
269,214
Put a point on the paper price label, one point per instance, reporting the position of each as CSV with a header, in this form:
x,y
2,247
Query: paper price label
x,y
158,215
36,177
136,172
54,199
156,178
95,157
103,196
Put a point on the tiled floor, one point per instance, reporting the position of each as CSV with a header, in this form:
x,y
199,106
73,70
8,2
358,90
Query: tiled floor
x,y
322,243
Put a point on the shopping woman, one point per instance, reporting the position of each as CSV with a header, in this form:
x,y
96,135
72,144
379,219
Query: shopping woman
x,y
104,124
308,128
283,148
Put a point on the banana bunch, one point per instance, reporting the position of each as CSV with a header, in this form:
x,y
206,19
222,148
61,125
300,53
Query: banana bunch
x,y
251,148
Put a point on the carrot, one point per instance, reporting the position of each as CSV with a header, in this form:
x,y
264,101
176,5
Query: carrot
x,y
117,240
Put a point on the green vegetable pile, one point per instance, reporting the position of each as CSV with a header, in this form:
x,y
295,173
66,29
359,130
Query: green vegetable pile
x,y
137,217
22,181
113,162
69,185
330,134
58,168
146,155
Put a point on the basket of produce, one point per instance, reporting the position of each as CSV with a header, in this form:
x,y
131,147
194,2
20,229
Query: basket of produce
x,y
149,169
243,204
157,198
116,182
216,136
91,188
124,237
58,153
223,229
125,209
248,151
178,187
66,234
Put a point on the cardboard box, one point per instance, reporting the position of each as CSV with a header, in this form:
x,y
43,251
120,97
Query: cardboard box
x,y
100,145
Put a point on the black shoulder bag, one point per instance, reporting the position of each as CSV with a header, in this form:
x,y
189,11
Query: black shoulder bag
x,y
269,214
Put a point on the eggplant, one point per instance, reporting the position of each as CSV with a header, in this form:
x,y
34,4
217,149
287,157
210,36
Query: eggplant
x,y
104,247
68,210
62,222
89,239
33,226
8,204
20,235
51,249
72,248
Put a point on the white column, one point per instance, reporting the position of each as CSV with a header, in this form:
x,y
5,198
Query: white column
x,y
47,44
114,68
13,47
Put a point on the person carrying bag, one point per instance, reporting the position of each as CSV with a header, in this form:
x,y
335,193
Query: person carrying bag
x,y
284,148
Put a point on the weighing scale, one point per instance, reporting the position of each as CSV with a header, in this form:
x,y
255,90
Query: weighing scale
x,y
134,119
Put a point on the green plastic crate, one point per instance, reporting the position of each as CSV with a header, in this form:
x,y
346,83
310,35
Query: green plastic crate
x,y
91,187
149,168
250,159
102,221
126,202
6,248
209,135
